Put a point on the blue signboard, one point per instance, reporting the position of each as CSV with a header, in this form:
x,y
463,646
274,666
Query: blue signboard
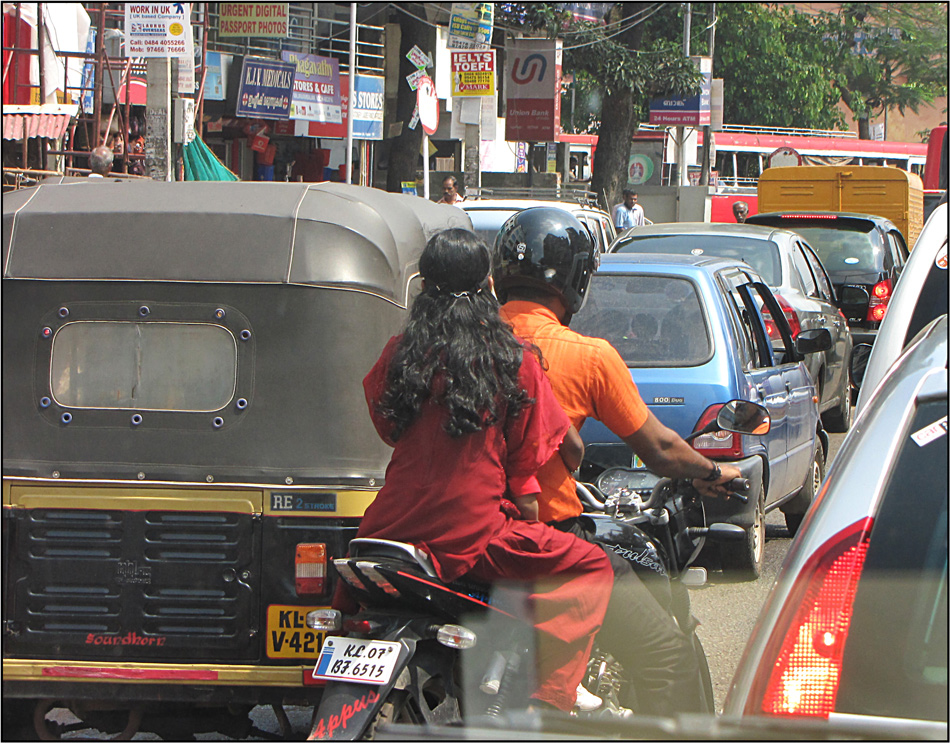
x,y
366,107
267,88
692,111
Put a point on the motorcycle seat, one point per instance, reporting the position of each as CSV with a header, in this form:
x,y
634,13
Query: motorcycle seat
x,y
364,547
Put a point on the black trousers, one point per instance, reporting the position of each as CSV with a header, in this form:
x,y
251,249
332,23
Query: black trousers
x,y
645,638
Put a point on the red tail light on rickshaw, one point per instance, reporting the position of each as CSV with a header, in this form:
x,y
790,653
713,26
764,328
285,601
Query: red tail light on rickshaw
x,y
310,569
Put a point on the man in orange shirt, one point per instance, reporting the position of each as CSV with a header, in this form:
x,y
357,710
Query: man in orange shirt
x,y
543,261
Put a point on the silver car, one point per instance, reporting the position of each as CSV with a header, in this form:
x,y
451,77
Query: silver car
x,y
920,296
793,272
854,631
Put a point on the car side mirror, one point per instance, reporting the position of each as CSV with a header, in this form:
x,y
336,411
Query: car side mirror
x,y
859,363
743,416
813,341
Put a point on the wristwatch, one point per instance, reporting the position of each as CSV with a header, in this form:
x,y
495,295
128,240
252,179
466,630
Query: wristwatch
x,y
714,475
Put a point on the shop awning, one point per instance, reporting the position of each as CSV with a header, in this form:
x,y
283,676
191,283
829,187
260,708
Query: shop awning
x,y
47,120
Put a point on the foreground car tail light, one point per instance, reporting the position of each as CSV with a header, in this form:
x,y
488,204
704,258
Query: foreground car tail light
x,y
800,670
718,445
793,322
880,296
310,569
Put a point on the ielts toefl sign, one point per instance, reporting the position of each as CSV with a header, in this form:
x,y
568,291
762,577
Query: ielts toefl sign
x,y
533,89
473,73
692,111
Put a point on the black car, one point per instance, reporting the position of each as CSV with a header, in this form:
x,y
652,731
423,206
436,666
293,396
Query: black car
x,y
863,255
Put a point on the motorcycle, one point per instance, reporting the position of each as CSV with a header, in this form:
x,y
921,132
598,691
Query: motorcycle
x,y
423,652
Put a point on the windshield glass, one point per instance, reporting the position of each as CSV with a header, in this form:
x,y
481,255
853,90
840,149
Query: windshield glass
x,y
843,249
895,660
487,222
762,255
650,320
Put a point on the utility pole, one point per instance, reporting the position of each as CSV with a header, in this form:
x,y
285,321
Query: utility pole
x,y
681,169
707,130
158,131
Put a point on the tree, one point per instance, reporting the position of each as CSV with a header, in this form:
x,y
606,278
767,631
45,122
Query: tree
x,y
887,55
628,64
405,147
774,64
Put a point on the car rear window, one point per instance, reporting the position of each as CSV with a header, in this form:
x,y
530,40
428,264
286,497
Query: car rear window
x,y
762,255
846,247
932,301
487,222
653,321
895,661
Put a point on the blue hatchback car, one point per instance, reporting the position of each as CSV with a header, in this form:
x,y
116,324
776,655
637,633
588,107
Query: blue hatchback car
x,y
691,330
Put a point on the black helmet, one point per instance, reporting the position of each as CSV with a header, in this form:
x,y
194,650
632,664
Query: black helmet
x,y
547,248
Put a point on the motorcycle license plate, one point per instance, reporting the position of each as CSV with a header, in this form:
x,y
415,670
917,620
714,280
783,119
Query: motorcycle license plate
x,y
356,660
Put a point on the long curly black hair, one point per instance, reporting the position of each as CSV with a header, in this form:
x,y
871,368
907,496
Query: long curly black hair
x,y
455,348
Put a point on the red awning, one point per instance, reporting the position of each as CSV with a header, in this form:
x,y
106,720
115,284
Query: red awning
x,y
50,120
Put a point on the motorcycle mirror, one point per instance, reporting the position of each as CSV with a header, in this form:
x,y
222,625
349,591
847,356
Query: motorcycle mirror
x,y
725,532
742,416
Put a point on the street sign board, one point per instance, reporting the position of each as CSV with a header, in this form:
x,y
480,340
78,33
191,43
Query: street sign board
x,y
533,83
473,73
263,20
428,104
157,29
316,94
692,111
266,90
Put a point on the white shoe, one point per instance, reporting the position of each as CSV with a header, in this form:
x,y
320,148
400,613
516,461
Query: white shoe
x,y
586,702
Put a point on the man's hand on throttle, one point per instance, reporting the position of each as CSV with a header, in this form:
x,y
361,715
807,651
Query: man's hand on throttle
x,y
728,473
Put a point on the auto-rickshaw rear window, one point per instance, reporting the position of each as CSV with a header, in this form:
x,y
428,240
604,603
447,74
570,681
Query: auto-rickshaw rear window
x,y
188,367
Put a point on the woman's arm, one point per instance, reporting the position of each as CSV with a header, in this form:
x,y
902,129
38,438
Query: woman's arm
x,y
572,449
528,505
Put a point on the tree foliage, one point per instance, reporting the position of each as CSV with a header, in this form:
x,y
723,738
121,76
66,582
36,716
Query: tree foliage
x,y
622,64
886,55
774,65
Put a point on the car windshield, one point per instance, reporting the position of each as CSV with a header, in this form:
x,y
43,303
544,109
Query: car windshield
x,y
653,321
842,249
895,660
487,222
762,255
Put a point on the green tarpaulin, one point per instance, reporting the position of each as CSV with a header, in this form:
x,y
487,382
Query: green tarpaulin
x,y
201,164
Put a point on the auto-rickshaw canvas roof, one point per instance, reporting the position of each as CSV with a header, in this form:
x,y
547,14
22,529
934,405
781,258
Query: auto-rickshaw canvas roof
x,y
326,234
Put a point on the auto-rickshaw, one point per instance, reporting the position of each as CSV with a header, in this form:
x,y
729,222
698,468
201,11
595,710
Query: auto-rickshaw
x,y
185,437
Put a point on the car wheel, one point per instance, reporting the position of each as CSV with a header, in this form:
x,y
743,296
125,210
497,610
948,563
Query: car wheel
x,y
743,560
839,419
800,504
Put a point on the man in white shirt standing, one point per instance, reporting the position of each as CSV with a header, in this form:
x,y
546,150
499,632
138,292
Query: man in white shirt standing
x,y
629,213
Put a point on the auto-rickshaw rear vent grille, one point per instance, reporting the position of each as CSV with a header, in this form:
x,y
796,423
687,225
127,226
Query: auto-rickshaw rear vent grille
x,y
146,581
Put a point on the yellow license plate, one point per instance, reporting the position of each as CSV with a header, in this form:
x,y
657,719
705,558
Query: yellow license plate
x,y
288,635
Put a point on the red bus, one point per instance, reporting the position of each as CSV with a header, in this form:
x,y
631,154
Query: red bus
x,y
742,152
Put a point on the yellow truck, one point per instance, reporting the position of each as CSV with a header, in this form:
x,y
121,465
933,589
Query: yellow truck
x,y
866,189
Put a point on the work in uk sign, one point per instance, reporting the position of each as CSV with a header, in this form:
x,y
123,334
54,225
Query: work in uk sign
x,y
157,29
473,72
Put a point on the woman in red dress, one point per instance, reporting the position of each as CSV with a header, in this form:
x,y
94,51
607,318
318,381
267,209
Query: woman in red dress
x,y
471,417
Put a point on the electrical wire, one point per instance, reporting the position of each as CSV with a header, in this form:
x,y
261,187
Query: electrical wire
x,y
647,13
